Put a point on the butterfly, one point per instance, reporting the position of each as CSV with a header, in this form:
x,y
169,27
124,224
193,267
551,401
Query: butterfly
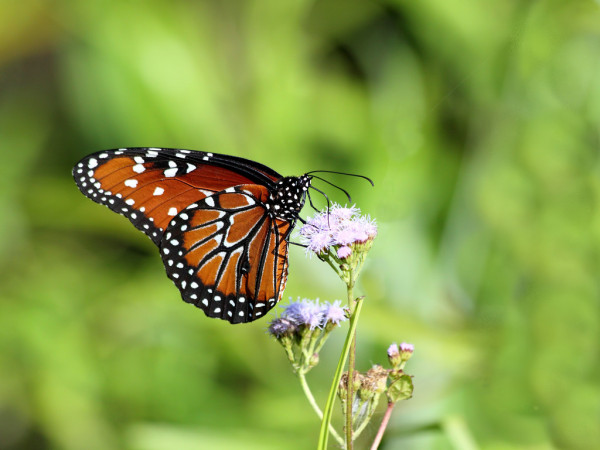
x,y
222,223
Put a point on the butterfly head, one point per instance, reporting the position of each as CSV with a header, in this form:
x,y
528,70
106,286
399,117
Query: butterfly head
x,y
287,199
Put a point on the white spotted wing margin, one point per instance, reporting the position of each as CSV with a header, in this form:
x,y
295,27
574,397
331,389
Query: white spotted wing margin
x,y
227,254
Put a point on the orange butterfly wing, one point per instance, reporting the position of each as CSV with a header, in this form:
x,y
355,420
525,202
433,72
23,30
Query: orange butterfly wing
x,y
228,255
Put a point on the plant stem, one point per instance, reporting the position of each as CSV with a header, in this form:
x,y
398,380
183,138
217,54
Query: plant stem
x,y
383,426
351,362
313,403
323,433
350,392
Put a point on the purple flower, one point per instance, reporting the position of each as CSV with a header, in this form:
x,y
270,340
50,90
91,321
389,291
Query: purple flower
x,y
344,252
343,213
304,312
399,354
281,327
345,236
334,313
340,227
405,347
320,241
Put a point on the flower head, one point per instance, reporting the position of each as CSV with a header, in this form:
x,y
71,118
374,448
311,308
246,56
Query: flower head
x,y
282,327
399,354
340,226
344,252
334,313
304,312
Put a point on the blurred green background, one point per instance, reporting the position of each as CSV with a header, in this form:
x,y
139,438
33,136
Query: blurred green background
x,y
478,121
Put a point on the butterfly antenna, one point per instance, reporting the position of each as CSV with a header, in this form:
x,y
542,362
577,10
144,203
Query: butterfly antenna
x,y
310,201
342,173
327,198
335,186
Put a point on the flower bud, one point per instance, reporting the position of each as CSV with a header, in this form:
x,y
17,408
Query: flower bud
x,y
398,355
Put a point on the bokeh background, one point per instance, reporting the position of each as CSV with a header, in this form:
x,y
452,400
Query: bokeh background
x,y
478,121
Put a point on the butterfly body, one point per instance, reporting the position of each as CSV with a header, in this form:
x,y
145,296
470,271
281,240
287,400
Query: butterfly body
x,y
222,223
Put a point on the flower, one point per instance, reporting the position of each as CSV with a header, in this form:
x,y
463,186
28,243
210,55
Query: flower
x,y
310,313
344,252
398,355
281,327
339,227
334,313
304,312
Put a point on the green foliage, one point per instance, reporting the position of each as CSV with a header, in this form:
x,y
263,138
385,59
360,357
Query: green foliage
x,y
478,122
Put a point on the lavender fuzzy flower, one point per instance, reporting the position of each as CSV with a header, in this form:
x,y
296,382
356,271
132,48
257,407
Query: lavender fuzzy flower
x,y
339,227
334,313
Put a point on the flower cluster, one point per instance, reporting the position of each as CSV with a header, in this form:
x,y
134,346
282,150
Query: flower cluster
x,y
341,237
340,227
399,354
303,328
305,313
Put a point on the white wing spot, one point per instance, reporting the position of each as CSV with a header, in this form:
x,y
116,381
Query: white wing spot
x,y
174,242
230,189
190,167
92,163
130,201
171,172
205,302
180,155
184,216
158,191
131,183
172,212
103,155
139,168
139,160
210,201
193,296
217,298
217,310
172,164
133,215
152,154
241,299
166,251
180,266
194,285
183,284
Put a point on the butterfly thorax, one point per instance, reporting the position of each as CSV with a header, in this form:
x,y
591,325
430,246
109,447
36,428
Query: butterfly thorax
x,y
287,198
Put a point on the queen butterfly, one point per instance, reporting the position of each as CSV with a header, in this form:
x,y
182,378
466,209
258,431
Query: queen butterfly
x,y
222,223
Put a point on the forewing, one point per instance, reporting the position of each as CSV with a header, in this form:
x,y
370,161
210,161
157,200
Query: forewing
x,y
227,255
150,186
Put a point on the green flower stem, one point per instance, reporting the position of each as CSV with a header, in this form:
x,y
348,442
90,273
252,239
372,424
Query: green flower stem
x,y
313,403
324,434
351,363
